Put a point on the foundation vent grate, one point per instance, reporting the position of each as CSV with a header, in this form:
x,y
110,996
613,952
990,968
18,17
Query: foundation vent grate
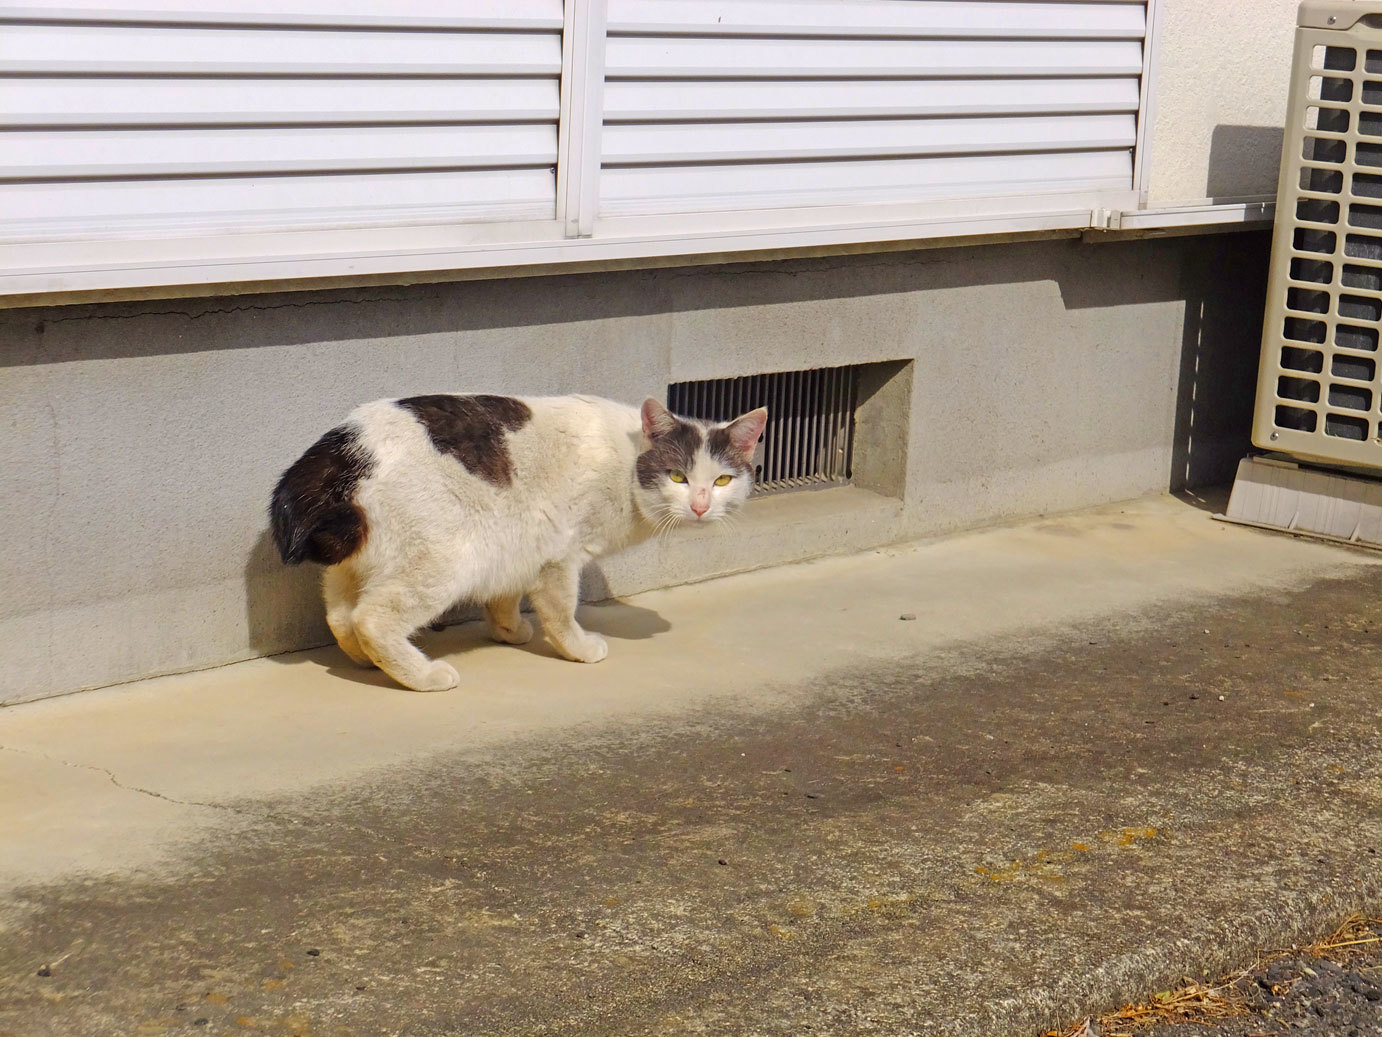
x,y
809,441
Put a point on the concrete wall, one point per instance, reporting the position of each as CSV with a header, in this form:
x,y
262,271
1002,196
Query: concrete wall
x,y
1220,82
141,440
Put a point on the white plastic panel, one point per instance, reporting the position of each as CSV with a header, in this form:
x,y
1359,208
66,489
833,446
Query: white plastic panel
x,y
917,18
180,116
641,190
774,141
484,14
58,210
712,104
721,57
165,50
70,154
645,101
102,103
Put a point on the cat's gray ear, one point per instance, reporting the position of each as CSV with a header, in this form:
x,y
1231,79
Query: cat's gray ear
x,y
745,430
657,419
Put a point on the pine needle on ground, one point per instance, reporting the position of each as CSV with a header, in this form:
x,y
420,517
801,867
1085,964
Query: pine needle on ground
x,y
1192,1001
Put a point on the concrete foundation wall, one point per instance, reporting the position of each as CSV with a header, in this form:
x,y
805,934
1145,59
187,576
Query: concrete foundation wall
x,y
141,440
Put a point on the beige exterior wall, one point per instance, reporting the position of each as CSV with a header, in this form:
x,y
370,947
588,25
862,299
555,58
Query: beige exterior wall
x,y
1219,99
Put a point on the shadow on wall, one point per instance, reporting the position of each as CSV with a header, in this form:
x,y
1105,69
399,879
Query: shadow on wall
x,y
81,333
1244,162
283,604
1225,287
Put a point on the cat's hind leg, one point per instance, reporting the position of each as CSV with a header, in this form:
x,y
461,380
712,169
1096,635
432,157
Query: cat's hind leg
x,y
506,623
387,615
340,590
555,598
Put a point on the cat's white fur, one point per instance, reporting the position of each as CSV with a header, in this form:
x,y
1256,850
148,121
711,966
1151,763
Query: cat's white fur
x,y
439,534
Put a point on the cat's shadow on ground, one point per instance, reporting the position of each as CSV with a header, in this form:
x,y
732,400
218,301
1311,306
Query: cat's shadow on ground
x,y
284,612
614,619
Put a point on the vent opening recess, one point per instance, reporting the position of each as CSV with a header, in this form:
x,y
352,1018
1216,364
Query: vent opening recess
x,y
809,440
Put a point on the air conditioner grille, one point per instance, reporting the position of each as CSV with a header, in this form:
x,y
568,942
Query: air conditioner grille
x,y
1319,396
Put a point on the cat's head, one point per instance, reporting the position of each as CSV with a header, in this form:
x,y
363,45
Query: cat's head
x,y
695,471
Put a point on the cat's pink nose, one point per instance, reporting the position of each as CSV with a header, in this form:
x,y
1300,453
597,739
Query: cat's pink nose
x,y
700,507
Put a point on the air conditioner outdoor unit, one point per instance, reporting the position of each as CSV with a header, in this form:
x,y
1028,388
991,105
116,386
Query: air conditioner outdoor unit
x,y
1319,395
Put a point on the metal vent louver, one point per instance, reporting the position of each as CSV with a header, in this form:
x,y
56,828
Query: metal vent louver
x,y
809,441
1319,396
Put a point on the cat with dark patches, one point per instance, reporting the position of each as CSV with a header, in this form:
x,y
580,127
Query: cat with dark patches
x,y
415,504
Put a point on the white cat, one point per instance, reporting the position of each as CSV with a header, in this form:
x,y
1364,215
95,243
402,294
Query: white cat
x,y
415,504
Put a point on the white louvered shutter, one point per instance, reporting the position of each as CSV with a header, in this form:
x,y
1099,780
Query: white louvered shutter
x,y
163,117
151,143
770,104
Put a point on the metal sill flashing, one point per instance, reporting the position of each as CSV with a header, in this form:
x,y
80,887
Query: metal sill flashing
x,y
322,264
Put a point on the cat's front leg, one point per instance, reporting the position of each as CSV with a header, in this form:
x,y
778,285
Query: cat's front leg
x,y
555,598
506,623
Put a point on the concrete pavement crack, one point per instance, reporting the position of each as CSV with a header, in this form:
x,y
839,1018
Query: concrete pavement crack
x,y
130,788
230,808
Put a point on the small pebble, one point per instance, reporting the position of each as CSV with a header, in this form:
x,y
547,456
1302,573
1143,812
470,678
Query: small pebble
x,y
722,861
907,616
1221,698
314,952
45,971
580,935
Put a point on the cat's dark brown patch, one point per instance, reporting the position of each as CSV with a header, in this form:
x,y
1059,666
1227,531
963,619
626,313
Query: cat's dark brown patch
x,y
675,449
472,429
720,446
313,515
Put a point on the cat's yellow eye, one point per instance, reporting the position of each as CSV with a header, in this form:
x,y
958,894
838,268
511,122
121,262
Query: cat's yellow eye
x,y
676,476
724,480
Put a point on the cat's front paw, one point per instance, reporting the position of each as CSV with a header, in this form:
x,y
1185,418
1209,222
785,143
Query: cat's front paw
x,y
440,676
591,648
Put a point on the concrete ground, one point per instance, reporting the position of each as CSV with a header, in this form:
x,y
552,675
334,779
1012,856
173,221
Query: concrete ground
x,y
1109,749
